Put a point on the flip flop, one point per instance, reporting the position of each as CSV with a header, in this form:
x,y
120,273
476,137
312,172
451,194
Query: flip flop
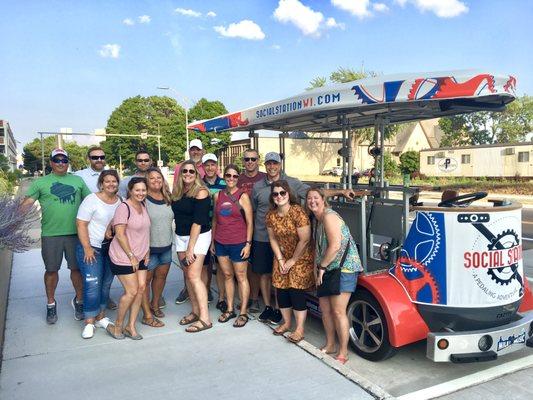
x,y
187,321
133,337
323,350
341,359
111,330
295,338
279,332
153,322
196,328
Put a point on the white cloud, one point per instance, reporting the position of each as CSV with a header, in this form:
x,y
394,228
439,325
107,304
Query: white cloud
x,y
331,23
211,14
188,12
275,47
128,21
303,17
380,7
144,19
245,29
109,51
359,8
441,8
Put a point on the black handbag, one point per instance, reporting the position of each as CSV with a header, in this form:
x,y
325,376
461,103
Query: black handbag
x,y
331,280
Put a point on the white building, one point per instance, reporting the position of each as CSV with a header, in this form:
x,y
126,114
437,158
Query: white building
x,y
8,144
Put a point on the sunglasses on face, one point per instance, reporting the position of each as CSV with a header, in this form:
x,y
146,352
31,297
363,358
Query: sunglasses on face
x,y
250,159
60,160
231,176
143,160
281,193
94,158
188,171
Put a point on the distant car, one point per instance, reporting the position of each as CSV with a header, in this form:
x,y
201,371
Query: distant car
x,y
335,171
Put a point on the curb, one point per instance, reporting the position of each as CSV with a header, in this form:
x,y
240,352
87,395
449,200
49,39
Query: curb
x,y
5,281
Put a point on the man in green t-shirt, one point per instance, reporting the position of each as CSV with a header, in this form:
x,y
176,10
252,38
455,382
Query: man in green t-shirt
x,y
59,195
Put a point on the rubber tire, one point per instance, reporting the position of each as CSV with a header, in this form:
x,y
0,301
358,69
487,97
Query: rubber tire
x,y
386,350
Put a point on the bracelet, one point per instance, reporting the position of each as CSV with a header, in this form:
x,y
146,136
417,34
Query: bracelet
x,y
321,267
249,242
279,259
130,254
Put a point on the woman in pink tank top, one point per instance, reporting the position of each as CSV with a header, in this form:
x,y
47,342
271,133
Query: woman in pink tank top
x,y
232,239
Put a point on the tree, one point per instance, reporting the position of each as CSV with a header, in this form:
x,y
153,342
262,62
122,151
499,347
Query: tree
x,y
410,162
32,154
315,148
4,163
511,125
205,109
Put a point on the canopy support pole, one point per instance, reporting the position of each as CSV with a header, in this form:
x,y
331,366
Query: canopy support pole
x,y
282,137
255,140
379,156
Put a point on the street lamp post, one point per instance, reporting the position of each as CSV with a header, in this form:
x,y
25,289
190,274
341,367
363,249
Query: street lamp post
x,y
186,112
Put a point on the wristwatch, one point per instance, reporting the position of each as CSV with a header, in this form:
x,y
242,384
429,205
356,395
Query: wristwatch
x,y
130,254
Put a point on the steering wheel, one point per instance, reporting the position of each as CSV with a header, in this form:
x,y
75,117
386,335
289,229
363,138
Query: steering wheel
x,y
463,200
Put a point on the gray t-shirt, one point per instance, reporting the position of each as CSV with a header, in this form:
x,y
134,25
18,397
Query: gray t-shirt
x,y
261,204
161,218
123,185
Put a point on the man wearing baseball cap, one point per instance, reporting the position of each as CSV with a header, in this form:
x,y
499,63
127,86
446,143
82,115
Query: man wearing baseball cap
x,y
59,195
196,151
262,255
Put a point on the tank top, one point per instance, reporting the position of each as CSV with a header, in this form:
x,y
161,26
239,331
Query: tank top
x,y
231,224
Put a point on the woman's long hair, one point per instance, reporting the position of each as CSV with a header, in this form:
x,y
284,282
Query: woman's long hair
x,y
285,186
179,189
165,190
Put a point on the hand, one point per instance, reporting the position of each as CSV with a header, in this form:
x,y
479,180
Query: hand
x,y
348,194
190,256
212,248
134,263
245,252
108,233
319,277
288,265
147,258
88,255
281,264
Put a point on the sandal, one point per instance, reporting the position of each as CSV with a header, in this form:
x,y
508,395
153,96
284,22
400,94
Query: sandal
x,y
189,319
341,359
196,328
111,330
153,322
226,316
157,312
127,333
241,320
222,305
280,330
324,351
295,337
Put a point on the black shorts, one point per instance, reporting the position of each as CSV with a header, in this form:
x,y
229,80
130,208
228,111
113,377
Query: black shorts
x,y
125,269
208,259
262,257
291,298
53,248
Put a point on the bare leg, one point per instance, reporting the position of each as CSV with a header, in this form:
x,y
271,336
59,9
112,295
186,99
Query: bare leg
x,y
158,284
50,285
300,317
338,305
287,319
136,305
194,274
77,282
192,295
241,269
131,285
329,325
227,271
265,282
145,304
220,284
253,279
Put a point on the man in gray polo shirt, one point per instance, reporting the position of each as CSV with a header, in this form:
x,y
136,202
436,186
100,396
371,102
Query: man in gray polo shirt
x,y
262,255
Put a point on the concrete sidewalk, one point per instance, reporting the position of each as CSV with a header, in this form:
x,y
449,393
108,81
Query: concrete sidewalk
x,y
54,362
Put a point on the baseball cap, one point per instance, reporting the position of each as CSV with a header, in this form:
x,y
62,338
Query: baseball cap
x,y
209,157
58,152
196,143
273,156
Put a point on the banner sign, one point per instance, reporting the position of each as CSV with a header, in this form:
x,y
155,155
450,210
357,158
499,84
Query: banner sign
x,y
463,259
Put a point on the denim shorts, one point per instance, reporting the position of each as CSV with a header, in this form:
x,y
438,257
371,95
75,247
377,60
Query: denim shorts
x,y
348,282
157,259
233,251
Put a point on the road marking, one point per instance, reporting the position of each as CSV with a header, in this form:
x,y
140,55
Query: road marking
x,y
528,222
529,279
469,380
527,239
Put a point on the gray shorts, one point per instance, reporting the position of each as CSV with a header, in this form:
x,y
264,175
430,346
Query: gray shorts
x,y
54,247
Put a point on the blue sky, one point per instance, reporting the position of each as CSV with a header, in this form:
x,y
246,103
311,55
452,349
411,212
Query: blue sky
x,y
71,63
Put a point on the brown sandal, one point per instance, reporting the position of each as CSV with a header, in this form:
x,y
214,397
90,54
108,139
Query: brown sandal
x,y
157,312
196,328
189,319
241,320
295,337
226,316
153,322
279,332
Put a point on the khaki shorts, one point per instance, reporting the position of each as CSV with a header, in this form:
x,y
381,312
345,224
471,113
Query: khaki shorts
x,y
54,247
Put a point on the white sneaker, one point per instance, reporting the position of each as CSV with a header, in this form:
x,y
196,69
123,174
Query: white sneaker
x,y
88,331
102,323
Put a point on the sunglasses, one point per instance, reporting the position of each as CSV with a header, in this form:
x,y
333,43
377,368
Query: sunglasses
x,y
188,171
60,160
94,158
231,176
143,160
250,158
281,193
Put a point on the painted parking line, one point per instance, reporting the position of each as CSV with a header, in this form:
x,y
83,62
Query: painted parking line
x,y
470,380
527,239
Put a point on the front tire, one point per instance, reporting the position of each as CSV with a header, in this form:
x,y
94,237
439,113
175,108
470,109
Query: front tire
x,y
369,333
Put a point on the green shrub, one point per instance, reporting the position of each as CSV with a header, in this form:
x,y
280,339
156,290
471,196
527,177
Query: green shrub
x,y
410,162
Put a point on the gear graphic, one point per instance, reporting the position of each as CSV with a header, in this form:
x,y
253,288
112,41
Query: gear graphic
x,y
418,285
504,240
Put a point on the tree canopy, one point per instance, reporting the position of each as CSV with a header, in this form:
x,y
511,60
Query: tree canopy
x,y
511,125
31,154
157,115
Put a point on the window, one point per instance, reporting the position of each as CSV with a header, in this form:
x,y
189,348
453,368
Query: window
x,y
523,156
465,159
431,160
338,162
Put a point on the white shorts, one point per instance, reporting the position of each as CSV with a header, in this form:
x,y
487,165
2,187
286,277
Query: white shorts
x,y
202,243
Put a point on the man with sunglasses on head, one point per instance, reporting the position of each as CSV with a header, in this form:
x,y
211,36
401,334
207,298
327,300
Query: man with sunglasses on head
x,y
262,255
143,162
96,158
59,195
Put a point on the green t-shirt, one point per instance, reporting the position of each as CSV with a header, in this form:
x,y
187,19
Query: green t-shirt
x,y
60,197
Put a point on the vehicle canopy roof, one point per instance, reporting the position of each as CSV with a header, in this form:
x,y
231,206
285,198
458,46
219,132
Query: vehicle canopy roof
x,y
357,104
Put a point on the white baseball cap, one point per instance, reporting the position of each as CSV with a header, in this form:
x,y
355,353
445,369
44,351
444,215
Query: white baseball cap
x,y
209,157
58,152
196,143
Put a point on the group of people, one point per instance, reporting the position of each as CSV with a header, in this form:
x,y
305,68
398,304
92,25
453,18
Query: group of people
x,y
250,228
